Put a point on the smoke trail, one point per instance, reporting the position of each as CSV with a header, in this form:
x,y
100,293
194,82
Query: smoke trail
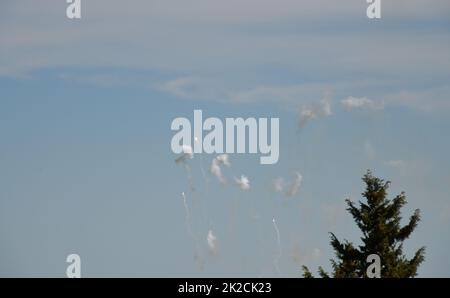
x,y
186,155
211,239
196,140
203,208
279,184
278,256
197,255
292,191
188,216
186,208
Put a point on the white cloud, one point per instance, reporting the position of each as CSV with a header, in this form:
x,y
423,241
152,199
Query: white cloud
x,y
353,103
230,11
199,40
279,93
428,100
192,87
178,87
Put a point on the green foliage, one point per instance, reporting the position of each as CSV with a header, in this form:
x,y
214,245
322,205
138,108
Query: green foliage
x,y
378,218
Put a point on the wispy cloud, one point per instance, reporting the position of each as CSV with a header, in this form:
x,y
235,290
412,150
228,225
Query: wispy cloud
x,y
296,93
354,103
314,111
190,87
218,62
428,100
416,169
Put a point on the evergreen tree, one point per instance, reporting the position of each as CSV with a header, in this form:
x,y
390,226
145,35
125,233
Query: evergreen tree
x,y
379,221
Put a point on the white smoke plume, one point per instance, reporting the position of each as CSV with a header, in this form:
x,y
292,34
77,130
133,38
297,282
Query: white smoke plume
x,y
212,242
216,164
279,184
197,141
295,186
353,103
314,111
185,155
223,160
290,190
243,182
186,208
191,232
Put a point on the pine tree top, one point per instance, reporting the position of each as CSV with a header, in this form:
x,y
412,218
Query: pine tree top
x,y
379,220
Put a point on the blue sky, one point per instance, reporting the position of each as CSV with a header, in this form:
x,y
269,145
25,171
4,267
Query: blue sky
x,y
86,107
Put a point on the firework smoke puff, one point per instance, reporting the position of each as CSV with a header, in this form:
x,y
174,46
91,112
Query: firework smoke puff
x,y
216,164
243,183
185,155
280,186
295,186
